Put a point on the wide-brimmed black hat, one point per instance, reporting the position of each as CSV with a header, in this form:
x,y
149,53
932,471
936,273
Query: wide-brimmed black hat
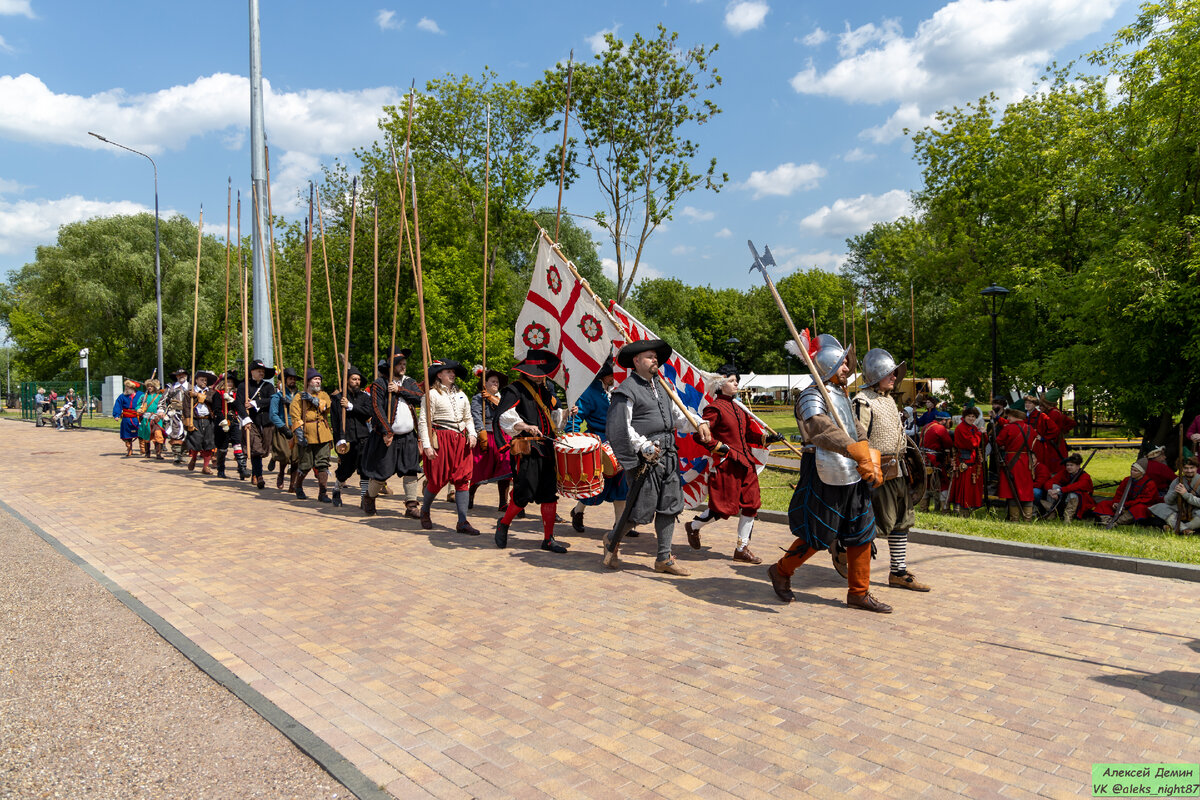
x,y
606,369
538,364
440,365
268,372
288,372
626,353
232,376
211,377
180,371
398,353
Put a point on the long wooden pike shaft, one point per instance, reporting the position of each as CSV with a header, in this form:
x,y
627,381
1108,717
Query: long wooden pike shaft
x,y
425,354
866,318
344,369
228,246
245,321
196,295
276,322
401,188
562,169
307,301
808,362
374,291
328,284
487,176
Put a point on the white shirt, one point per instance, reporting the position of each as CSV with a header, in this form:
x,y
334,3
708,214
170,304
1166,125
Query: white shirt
x,y
450,410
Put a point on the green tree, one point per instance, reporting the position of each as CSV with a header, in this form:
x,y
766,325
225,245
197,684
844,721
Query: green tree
x,y
635,106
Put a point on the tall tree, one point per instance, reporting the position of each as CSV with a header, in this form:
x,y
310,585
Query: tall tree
x,y
636,107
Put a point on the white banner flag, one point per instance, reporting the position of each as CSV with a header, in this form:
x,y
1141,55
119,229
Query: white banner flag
x,y
561,315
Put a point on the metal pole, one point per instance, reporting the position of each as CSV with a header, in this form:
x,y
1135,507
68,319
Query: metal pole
x,y
995,359
157,247
263,341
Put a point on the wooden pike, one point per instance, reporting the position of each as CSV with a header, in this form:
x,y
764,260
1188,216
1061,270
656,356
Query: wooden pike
x,y
912,301
866,319
196,295
228,244
307,300
245,321
843,322
375,289
416,251
487,176
277,322
562,169
400,187
328,285
344,372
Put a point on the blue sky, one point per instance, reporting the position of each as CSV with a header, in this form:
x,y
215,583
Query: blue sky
x,y
814,97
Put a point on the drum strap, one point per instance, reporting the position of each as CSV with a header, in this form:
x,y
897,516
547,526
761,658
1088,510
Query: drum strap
x,y
537,398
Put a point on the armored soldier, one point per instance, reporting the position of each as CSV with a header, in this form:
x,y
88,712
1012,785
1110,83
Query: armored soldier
x,y
832,502
875,408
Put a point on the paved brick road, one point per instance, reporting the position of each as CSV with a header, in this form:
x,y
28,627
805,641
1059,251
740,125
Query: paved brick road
x,y
441,666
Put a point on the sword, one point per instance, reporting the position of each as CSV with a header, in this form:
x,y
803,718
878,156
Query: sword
x,y
1112,521
639,478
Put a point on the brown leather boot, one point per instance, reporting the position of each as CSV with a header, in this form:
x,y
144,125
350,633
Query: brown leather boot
x,y
744,555
426,520
412,509
367,505
906,580
867,603
467,528
693,536
782,584
670,568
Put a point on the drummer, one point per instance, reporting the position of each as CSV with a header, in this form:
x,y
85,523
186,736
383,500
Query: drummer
x,y
527,422
591,417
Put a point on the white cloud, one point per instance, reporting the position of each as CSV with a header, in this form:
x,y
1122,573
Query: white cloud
x,y
745,15
11,187
5,46
426,24
645,271
596,40
14,7
696,215
825,260
27,223
304,125
965,50
858,154
784,179
849,216
724,233
817,37
680,250
386,20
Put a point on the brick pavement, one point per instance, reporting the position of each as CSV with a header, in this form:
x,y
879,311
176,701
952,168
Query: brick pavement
x,y
443,667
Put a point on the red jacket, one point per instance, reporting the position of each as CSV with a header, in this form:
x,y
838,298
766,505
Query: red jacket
x,y
1142,495
1014,441
733,483
1161,474
1081,484
937,442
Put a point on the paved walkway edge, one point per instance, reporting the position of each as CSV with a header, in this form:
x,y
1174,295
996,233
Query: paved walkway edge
x,y
1061,555
309,743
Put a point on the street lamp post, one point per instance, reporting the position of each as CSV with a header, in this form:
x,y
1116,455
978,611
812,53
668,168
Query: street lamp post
x,y
993,302
157,261
731,347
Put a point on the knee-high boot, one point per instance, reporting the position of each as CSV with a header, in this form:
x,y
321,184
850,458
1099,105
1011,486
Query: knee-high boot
x,y
221,456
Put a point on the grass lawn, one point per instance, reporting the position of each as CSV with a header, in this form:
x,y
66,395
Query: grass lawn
x,y
1107,465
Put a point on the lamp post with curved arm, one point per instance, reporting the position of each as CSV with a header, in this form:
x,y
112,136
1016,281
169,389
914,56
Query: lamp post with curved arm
x,y
157,261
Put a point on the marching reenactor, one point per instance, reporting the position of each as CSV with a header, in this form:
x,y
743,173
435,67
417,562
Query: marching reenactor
x,y
592,413
198,421
446,434
1070,491
968,479
253,404
527,424
733,489
832,501
350,436
226,430
1014,444
314,439
392,448
284,451
876,410
641,426
1180,509
173,402
125,409
489,462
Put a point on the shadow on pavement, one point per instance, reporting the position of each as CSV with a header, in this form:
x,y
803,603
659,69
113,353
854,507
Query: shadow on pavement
x,y
1171,686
